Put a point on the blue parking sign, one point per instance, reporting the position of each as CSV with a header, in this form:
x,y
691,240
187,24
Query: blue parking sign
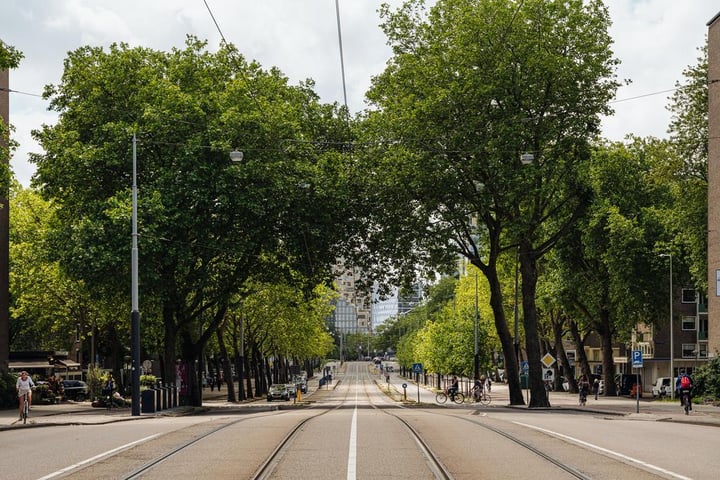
x,y
637,359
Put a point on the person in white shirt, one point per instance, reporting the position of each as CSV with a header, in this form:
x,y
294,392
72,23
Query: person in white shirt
x,y
24,385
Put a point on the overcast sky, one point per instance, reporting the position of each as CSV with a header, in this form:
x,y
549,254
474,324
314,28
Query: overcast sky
x,y
655,40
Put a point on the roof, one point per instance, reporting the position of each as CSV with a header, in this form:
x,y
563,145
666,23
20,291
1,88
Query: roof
x,y
712,20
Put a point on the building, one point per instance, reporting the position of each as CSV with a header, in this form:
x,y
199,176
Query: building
x,y
713,226
352,310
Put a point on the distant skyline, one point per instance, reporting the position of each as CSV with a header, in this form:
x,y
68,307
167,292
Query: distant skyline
x,y
655,40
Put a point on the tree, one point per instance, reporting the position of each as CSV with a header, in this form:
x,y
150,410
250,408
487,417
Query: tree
x,y
686,168
472,85
205,223
608,268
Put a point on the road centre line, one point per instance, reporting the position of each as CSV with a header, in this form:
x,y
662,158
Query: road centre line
x,y
97,457
605,450
352,449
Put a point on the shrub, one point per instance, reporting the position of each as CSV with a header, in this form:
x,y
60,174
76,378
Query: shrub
x,y
706,379
8,397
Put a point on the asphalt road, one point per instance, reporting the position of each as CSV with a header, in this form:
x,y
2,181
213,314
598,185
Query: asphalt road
x,y
361,427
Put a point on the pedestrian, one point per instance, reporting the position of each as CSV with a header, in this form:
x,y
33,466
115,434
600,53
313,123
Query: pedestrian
x,y
219,382
596,387
211,381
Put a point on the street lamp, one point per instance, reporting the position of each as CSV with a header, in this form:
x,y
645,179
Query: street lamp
x,y
477,319
525,159
134,313
672,352
235,156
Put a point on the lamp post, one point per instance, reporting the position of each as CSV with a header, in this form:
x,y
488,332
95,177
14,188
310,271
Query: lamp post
x,y
525,159
134,313
476,363
672,349
235,156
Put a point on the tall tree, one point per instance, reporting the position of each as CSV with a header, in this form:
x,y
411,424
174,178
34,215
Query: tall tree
x,y
204,221
472,85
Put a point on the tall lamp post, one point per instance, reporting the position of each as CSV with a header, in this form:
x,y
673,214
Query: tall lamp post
x,y
477,319
134,313
235,156
525,159
672,343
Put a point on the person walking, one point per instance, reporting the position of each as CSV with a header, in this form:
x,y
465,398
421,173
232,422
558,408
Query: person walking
x,y
596,387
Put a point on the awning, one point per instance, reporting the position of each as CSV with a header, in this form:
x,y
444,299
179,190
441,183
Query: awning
x,y
28,364
69,364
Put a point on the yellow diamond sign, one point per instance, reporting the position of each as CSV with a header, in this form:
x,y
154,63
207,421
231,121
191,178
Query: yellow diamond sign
x,y
547,360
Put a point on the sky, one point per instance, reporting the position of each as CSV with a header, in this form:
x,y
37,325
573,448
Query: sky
x,y
655,40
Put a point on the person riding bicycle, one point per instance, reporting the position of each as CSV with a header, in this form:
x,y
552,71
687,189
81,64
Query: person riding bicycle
x,y
683,385
454,387
108,388
24,385
477,389
584,387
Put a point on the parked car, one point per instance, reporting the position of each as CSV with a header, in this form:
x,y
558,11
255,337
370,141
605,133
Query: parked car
x,y
278,391
292,389
75,390
662,387
301,381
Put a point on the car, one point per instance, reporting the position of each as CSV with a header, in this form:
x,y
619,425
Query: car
x,y
278,391
662,386
301,382
76,390
292,389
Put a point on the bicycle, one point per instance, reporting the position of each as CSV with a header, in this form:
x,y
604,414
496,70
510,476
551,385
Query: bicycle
x,y
443,395
685,401
481,395
26,408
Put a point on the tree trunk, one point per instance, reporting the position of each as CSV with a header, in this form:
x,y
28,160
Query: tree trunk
x,y
227,371
604,328
528,270
512,370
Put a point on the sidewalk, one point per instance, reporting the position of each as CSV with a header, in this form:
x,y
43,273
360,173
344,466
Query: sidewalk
x,y
646,408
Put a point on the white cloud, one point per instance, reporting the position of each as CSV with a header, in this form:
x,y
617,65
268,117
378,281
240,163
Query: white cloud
x,y
655,39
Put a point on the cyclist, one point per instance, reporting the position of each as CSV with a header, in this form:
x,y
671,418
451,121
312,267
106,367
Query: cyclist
x,y
584,386
108,389
684,384
454,386
24,386
477,390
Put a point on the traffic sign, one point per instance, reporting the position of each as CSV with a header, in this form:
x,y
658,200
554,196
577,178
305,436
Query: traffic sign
x,y
525,367
548,374
417,368
547,360
637,359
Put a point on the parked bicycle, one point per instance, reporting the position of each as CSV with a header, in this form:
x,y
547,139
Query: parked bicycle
x,y
443,395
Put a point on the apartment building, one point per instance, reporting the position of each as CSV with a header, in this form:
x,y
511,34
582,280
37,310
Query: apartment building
x,y
713,226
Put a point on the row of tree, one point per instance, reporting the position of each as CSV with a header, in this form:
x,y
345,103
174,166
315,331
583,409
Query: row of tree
x,y
431,171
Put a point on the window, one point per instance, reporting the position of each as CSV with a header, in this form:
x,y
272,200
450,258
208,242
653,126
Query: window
x,y
702,350
688,350
689,295
688,323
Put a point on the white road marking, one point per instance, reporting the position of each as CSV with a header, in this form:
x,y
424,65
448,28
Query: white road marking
x,y
97,457
352,450
606,451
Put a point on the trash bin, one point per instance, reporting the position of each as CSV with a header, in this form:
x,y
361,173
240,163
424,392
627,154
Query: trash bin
x,y
524,381
147,401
